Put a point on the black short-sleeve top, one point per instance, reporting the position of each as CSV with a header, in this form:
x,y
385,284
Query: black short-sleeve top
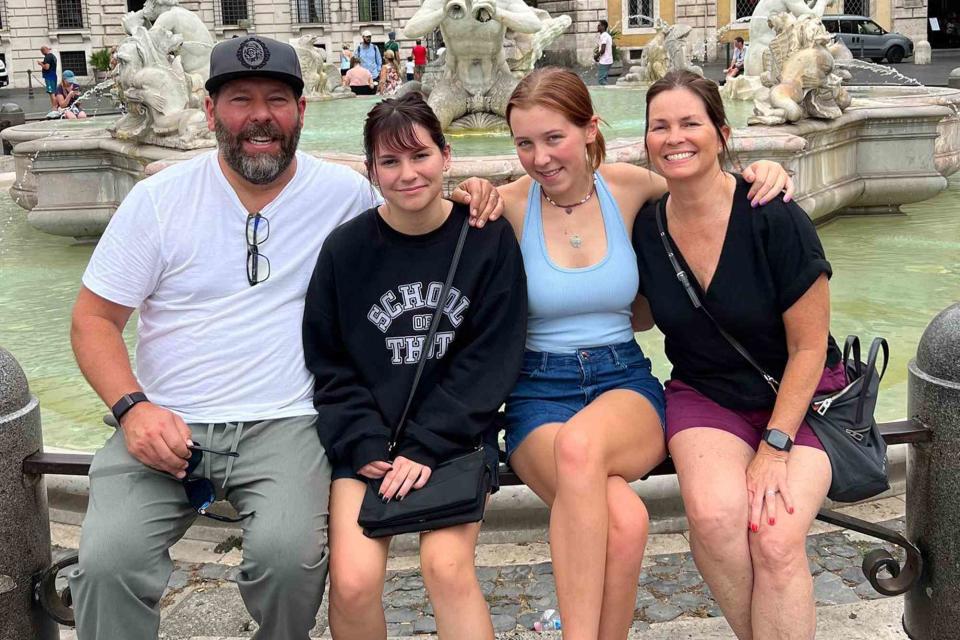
x,y
770,257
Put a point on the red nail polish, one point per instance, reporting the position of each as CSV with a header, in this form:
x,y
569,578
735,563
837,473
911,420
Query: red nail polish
x,y
755,527
772,522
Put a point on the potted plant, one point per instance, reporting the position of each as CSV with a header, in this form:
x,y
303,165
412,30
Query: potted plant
x,y
100,61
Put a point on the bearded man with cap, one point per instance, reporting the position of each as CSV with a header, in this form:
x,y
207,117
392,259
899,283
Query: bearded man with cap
x,y
216,253
369,54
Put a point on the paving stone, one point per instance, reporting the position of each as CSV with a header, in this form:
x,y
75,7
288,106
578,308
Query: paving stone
x,y
815,568
411,583
542,568
232,574
672,559
867,592
487,588
661,612
178,579
503,622
715,612
833,563
689,602
402,629
845,551
640,625
689,579
395,615
407,598
646,577
212,571
426,624
644,599
389,587
487,573
664,587
506,608
507,591
541,589
516,572
215,611
545,602
663,570
853,575
830,589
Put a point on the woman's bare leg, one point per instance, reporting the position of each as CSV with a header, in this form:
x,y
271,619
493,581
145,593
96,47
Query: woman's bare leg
x,y
449,574
783,606
711,465
358,566
618,434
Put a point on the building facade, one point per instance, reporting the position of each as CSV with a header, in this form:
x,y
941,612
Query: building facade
x,y
75,28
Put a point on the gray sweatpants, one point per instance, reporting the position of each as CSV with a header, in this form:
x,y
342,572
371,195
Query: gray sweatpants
x,y
137,513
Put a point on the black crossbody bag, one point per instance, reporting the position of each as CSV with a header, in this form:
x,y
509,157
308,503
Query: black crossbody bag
x,y
843,420
456,492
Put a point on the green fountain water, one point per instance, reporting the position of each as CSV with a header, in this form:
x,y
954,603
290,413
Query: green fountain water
x,y
892,274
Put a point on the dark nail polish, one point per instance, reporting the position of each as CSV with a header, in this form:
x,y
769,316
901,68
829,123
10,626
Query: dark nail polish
x,y
400,499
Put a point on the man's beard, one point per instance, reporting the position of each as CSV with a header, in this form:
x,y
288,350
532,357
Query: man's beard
x,y
259,168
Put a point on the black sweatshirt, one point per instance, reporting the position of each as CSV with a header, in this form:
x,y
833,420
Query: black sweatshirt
x,y
367,313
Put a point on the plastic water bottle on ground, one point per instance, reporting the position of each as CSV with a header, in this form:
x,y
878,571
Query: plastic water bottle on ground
x,y
549,621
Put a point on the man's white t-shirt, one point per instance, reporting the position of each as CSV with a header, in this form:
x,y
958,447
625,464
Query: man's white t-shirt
x,y
210,347
607,56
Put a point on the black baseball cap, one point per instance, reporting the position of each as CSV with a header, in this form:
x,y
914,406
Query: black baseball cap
x,y
254,56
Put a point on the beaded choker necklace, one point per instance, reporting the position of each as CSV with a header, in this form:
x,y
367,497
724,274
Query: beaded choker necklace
x,y
568,208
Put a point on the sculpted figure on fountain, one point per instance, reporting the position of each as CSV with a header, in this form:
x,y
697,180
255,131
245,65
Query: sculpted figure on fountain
x,y
476,80
799,76
161,68
321,79
666,52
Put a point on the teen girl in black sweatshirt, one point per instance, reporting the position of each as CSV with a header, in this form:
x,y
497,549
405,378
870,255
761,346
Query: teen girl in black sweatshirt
x,y
368,310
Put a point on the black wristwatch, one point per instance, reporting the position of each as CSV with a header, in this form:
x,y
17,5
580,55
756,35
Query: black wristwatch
x,y
126,403
778,440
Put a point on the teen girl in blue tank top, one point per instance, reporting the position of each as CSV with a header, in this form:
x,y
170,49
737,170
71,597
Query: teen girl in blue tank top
x,y
586,415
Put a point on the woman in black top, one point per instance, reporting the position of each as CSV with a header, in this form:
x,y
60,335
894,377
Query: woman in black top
x,y
368,309
750,495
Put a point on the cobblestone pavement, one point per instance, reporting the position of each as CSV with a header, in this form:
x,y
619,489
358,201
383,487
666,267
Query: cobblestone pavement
x,y
202,599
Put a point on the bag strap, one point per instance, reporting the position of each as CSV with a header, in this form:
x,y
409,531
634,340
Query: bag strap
x,y
876,346
852,344
434,323
695,299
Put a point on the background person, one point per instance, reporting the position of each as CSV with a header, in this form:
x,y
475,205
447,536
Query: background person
x,y
67,96
410,68
392,44
369,54
603,54
390,78
736,61
763,275
345,57
358,79
419,60
585,417
363,359
48,70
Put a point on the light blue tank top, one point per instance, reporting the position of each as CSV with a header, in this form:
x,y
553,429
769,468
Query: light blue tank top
x,y
578,308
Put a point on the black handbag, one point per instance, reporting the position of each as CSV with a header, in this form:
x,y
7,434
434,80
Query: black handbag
x,y
456,492
843,420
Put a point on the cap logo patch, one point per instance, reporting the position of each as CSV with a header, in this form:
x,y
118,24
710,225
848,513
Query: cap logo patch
x,y
253,54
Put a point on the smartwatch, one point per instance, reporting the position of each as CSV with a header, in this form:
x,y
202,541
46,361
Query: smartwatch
x,y
778,440
126,403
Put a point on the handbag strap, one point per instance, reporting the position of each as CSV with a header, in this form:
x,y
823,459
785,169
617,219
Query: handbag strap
x,y
434,323
697,304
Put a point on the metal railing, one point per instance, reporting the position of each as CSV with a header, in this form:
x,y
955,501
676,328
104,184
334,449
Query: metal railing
x,y
67,14
309,12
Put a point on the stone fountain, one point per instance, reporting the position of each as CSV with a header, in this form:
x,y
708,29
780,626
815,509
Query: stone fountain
x,y
850,149
666,52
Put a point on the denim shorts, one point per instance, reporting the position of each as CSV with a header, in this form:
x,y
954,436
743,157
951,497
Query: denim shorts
x,y
553,387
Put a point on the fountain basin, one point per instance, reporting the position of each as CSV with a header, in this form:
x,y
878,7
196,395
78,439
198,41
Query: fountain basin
x,y
893,146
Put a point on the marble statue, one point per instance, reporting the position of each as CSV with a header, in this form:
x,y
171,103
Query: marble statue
x,y
321,79
800,79
167,15
666,52
524,49
761,33
476,78
162,99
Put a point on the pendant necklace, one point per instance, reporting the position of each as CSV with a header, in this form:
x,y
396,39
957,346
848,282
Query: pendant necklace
x,y
575,240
